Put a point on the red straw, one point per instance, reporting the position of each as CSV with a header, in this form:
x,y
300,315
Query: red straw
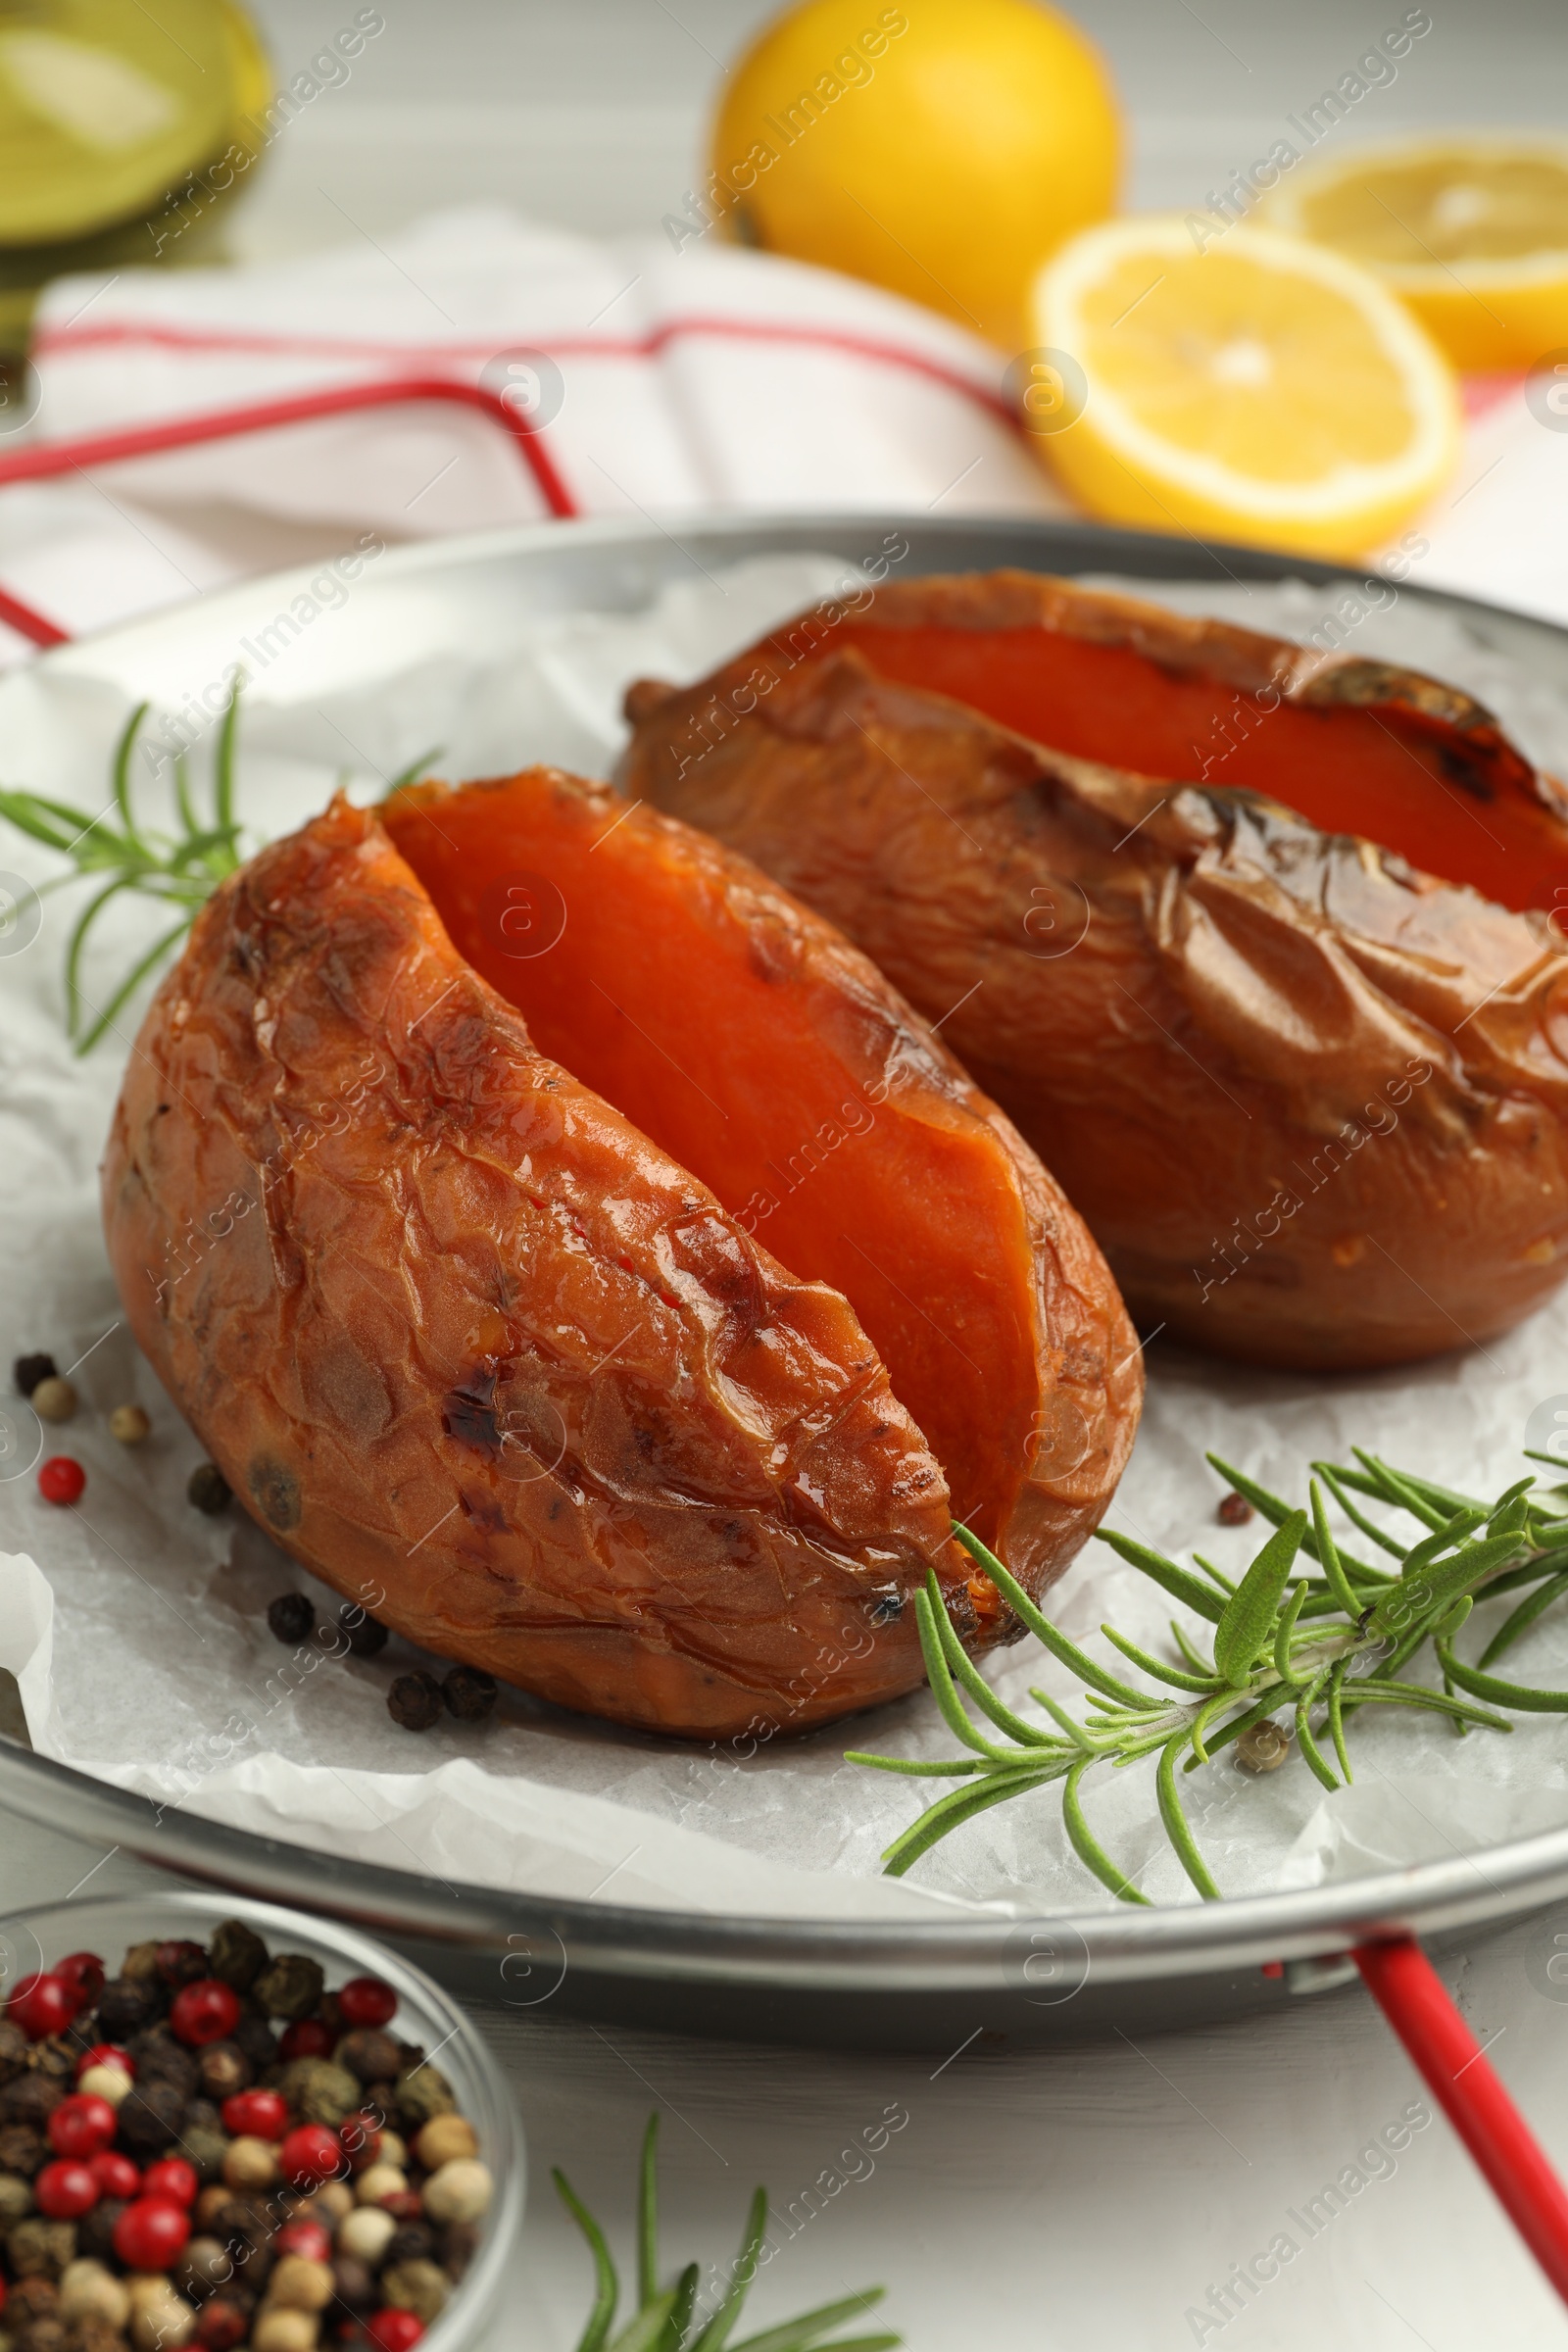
x,y
1406,1986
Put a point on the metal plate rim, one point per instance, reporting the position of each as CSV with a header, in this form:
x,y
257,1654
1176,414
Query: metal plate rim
x,y
690,1949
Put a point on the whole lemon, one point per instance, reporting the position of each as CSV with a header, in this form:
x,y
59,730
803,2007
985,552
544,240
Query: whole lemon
x,y
942,152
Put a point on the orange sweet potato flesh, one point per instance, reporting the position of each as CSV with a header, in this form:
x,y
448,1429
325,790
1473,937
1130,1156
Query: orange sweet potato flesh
x,y
1354,746
757,1046
1312,1103
478,1350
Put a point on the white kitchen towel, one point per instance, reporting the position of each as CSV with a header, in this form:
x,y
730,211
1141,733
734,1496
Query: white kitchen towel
x,y
666,382
663,382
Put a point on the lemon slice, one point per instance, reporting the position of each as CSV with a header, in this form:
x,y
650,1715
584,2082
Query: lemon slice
x,y
1472,232
1265,389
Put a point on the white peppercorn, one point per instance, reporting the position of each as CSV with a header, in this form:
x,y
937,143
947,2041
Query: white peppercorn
x,y
459,2191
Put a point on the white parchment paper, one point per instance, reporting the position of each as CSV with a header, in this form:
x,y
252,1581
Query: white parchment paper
x,y
137,1627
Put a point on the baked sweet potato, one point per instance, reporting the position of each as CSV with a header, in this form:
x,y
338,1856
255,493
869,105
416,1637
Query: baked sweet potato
x,y
482,1354
1313,1102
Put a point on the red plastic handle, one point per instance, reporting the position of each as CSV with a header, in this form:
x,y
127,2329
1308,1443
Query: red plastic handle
x,y
1407,1989
43,458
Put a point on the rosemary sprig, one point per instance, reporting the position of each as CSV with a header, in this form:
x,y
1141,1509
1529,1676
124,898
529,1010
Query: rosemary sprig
x,y
1322,1645
184,869
181,870
665,2318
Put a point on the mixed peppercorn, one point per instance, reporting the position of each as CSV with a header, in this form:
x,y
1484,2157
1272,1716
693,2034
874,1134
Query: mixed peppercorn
x,y
415,1700
212,2150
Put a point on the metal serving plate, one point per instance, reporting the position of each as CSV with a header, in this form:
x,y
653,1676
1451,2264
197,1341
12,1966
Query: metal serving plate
x,y
909,1984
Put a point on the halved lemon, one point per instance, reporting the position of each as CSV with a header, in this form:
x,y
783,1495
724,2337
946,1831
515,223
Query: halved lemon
x,y
1263,389
1471,232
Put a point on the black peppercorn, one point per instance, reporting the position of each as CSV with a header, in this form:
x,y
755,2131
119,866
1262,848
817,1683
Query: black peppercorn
x,y
95,2231
1234,1510
127,2006
151,2115
237,1954
160,2058
29,1370
208,1489
469,1694
255,2036
56,2057
22,2149
411,2241
290,1618
366,1636
369,2054
415,1700
32,2098
14,2047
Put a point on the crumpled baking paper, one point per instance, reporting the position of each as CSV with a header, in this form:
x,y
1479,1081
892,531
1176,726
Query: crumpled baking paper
x,y
137,1627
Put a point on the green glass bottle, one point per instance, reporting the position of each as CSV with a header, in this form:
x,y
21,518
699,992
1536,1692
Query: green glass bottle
x,y
124,133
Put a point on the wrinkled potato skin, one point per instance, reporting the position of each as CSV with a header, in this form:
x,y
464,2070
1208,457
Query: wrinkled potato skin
x,y
1313,1103
476,1352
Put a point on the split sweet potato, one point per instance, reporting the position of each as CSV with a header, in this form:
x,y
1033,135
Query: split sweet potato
x,y
472,1342
1312,1101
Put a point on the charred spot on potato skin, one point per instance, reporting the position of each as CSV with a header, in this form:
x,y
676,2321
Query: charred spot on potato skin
x,y
963,1614
469,1415
483,1512
1460,767
275,1493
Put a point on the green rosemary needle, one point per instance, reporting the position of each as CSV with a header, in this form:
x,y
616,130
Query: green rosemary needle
x,y
1322,1645
182,870
667,2319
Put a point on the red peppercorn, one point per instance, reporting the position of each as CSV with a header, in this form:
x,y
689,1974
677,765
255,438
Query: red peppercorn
x,y
64,2190
255,2115
307,2038
404,2205
222,2327
107,2054
41,2006
82,2126
393,2330
60,1480
85,1973
172,2177
206,2011
151,2233
367,2001
305,2237
115,2174
310,2155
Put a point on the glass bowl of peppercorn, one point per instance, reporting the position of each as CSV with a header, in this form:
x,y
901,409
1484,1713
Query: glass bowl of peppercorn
x,y
223,2126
